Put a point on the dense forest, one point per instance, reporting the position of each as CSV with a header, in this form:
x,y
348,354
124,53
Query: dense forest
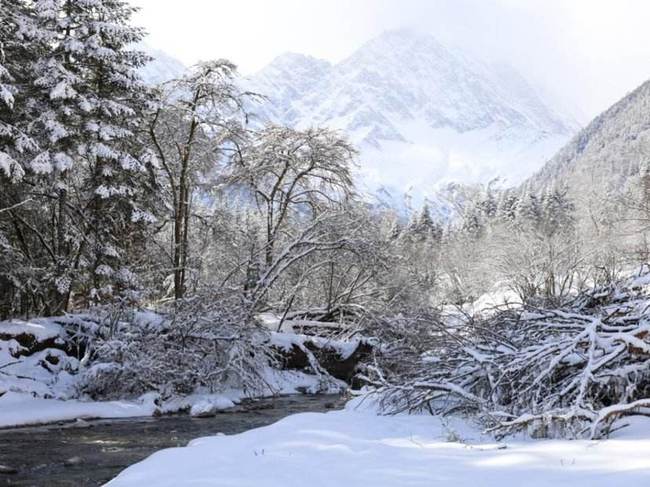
x,y
525,307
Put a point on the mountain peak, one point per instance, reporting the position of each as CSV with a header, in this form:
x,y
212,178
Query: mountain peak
x,y
403,36
291,61
407,46
421,113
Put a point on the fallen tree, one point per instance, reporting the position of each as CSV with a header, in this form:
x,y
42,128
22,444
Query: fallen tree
x,y
570,371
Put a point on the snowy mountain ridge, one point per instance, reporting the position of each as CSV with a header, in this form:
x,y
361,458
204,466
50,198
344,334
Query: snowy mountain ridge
x,y
162,66
420,114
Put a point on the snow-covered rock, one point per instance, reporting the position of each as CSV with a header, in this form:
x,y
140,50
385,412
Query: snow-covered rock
x,y
210,406
34,358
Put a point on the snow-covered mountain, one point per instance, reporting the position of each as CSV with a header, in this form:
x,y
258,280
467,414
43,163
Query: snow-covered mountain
x,y
161,68
421,114
607,154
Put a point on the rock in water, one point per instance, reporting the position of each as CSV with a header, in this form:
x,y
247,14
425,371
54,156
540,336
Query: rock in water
x,y
209,407
5,469
72,461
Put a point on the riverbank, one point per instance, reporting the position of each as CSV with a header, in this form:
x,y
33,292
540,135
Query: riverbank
x,y
46,370
360,448
24,409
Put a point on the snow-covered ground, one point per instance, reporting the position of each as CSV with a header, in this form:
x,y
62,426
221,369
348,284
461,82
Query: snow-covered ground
x,y
360,448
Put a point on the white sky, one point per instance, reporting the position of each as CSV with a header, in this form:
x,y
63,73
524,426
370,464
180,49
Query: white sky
x,y
586,53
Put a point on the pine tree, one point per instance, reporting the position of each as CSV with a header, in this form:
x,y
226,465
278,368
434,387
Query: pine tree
x,y
15,142
423,227
528,212
92,97
644,183
507,206
76,103
473,221
395,229
556,211
489,204
18,47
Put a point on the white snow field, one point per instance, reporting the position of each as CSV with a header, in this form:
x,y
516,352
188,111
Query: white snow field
x,y
359,448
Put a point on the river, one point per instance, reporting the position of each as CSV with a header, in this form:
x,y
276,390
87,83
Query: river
x,y
91,453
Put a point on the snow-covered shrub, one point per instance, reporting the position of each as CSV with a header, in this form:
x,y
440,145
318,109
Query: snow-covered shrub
x,y
201,343
568,371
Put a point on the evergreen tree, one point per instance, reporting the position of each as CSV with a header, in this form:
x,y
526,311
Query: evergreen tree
x,y
423,227
425,222
489,205
507,206
15,53
395,229
19,45
76,102
473,223
556,211
528,212
92,99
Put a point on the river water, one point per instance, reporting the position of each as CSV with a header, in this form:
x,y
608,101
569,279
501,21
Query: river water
x,y
92,453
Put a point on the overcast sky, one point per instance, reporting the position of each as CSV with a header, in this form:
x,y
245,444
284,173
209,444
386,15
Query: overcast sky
x,y
585,53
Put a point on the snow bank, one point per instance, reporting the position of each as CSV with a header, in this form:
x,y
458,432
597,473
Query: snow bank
x,y
20,409
358,448
42,329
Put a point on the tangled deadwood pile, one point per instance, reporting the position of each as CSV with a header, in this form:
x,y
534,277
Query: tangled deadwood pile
x,y
570,371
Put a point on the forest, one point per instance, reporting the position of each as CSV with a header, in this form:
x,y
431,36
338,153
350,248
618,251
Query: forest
x,y
177,237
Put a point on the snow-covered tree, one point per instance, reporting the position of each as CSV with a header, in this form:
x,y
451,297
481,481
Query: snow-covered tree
x,y
79,100
528,212
198,121
17,49
298,180
424,227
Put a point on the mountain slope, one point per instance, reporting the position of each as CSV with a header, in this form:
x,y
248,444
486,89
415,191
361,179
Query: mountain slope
x,y
161,68
608,152
421,114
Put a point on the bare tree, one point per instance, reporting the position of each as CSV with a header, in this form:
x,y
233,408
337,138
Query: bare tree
x,y
298,182
197,119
